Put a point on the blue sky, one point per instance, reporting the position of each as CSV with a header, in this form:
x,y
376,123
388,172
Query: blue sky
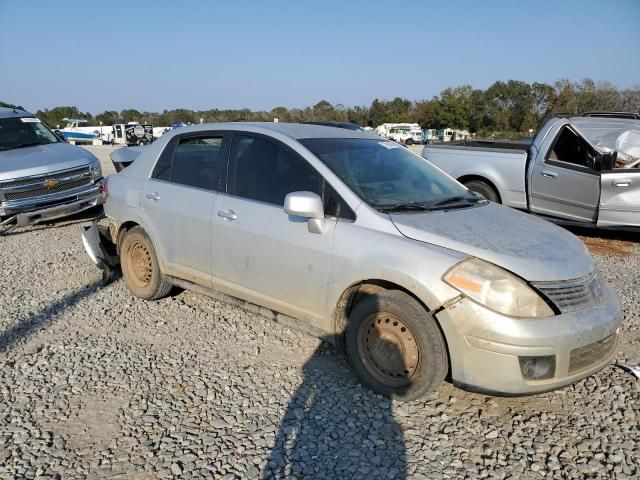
x,y
155,55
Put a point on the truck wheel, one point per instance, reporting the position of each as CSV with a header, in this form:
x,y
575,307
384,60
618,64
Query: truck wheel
x,y
409,141
483,189
140,267
395,346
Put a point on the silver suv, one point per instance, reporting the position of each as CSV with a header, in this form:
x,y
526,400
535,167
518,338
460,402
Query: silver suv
x,y
368,246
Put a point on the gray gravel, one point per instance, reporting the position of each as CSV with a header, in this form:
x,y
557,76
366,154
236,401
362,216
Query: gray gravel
x,y
95,383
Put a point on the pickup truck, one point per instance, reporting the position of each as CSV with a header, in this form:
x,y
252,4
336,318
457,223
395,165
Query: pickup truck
x,y
41,176
561,174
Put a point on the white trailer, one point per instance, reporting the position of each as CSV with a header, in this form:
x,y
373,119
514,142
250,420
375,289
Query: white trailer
x,y
407,133
452,134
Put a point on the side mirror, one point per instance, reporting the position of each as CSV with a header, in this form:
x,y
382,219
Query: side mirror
x,y
307,205
59,134
605,162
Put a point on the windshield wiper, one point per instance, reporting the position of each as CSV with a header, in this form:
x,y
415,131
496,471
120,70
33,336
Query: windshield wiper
x,y
398,207
458,199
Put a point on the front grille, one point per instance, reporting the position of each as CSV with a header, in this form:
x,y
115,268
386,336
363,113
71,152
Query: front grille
x,y
46,191
573,295
592,354
20,182
33,187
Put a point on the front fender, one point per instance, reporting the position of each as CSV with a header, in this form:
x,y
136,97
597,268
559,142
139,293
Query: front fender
x,y
361,254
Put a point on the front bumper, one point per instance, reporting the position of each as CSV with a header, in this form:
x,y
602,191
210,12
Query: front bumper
x,y
101,251
485,347
39,209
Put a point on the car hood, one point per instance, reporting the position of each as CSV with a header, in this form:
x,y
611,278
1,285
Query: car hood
x,y
530,247
42,159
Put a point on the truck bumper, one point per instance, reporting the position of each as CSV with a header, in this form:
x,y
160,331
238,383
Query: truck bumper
x,y
501,355
35,210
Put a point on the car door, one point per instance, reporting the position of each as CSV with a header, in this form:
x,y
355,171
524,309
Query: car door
x,y
178,203
620,198
259,252
563,183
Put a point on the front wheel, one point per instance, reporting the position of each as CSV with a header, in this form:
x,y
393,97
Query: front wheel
x,y
395,346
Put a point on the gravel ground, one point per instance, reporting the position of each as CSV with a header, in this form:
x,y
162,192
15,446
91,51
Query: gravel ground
x,y
95,383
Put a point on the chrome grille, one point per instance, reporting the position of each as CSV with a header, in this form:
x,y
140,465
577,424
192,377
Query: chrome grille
x,y
21,182
45,191
48,184
592,354
573,295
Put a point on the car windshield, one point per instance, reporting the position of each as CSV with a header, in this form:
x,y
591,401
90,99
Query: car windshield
x,y
388,176
20,132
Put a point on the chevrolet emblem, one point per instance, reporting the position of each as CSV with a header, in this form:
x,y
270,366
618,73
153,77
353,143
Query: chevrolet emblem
x,y
49,184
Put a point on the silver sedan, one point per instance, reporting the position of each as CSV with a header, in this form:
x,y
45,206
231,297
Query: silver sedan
x,y
366,245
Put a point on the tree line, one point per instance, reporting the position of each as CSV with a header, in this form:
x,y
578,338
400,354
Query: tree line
x,y
509,107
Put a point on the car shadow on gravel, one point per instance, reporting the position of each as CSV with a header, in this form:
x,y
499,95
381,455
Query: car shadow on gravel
x,y
23,329
335,428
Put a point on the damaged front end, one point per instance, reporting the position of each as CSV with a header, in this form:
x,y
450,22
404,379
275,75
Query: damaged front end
x,y
100,249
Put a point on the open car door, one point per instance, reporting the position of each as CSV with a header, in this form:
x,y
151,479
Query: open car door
x,y
619,198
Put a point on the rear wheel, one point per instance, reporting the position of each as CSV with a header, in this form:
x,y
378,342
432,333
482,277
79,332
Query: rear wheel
x,y
140,267
483,189
395,346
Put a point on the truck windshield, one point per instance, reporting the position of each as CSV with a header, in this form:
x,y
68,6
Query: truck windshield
x,y
387,176
24,132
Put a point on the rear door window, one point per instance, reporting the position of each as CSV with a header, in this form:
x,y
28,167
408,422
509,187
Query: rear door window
x,y
266,171
196,161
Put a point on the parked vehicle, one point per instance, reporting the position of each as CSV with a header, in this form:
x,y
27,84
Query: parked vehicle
x,y
41,176
429,135
406,133
366,245
74,133
452,135
132,133
560,175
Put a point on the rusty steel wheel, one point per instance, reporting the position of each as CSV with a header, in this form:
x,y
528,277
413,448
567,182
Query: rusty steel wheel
x,y
140,267
395,346
389,349
140,264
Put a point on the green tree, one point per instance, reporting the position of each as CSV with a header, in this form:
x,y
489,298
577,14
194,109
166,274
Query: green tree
x,y
10,105
130,115
108,117
56,116
592,97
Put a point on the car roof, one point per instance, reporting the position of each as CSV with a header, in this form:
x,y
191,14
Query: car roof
x,y
14,113
294,130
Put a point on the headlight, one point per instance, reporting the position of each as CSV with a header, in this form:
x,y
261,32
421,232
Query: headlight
x,y
96,171
497,289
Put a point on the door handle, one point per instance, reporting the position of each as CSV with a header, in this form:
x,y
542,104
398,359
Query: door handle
x,y
152,196
623,182
548,174
228,214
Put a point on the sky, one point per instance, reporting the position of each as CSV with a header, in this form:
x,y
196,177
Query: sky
x,y
156,55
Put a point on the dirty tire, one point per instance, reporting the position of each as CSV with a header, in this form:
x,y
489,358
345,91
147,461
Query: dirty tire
x,y
140,267
395,346
484,189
